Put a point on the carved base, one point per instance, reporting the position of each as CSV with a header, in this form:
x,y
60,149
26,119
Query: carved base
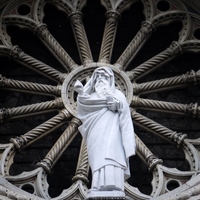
x,y
105,195
107,198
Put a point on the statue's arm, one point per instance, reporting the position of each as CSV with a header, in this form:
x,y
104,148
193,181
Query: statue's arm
x,y
78,87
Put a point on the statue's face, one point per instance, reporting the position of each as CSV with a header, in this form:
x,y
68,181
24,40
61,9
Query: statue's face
x,y
102,75
102,85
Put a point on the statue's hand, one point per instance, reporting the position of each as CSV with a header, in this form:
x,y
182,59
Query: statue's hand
x,y
78,87
113,104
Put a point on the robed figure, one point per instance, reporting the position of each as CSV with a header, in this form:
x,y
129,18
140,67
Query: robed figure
x,y
108,131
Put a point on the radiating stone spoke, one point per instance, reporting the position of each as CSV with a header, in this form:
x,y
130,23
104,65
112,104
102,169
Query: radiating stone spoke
x,y
191,109
60,146
168,83
45,36
108,36
29,15
30,110
156,62
135,45
19,56
83,165
54,47
81,38
41,130
157,128
29,87
145,154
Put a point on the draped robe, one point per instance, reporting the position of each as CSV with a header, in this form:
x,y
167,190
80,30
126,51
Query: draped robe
x,y
109,135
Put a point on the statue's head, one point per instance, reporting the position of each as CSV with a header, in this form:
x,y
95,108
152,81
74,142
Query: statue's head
x,y
103,74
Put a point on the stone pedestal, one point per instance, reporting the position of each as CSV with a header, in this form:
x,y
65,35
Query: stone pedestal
x,y
107,198
106,195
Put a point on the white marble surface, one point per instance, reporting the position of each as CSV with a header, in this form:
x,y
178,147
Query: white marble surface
x,y
92,193
108,131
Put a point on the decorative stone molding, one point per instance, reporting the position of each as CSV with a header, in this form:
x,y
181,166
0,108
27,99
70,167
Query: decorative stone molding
x,y
129,79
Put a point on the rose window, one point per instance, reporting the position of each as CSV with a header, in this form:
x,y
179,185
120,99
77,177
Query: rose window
x,y
152,46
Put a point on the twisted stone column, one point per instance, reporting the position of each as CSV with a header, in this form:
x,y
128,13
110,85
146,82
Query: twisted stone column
x,y
167,83
157,129
22,111
177,108
19,56
52,44
82,166
81,37
135,45
146,155
29,86
41,130
108,36
157,105
60,146
155,62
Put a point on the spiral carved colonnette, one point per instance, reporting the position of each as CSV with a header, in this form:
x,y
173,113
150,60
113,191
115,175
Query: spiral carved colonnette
x,y
156,61
151,64
146,154
83,44
60,145
163,84
38,66
40,130
82,166
153,104
135,44
178,108
129,53
158,129
33,87
44,106
55,47
108,37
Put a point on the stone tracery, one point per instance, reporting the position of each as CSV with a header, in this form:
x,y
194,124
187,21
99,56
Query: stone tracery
x,y
65,102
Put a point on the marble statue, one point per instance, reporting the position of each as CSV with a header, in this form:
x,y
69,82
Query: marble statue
x,y
107,130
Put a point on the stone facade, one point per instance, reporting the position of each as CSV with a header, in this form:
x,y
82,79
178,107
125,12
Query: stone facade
x,y
154,52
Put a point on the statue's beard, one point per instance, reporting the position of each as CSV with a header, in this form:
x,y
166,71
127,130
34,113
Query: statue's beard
x,y
102,88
